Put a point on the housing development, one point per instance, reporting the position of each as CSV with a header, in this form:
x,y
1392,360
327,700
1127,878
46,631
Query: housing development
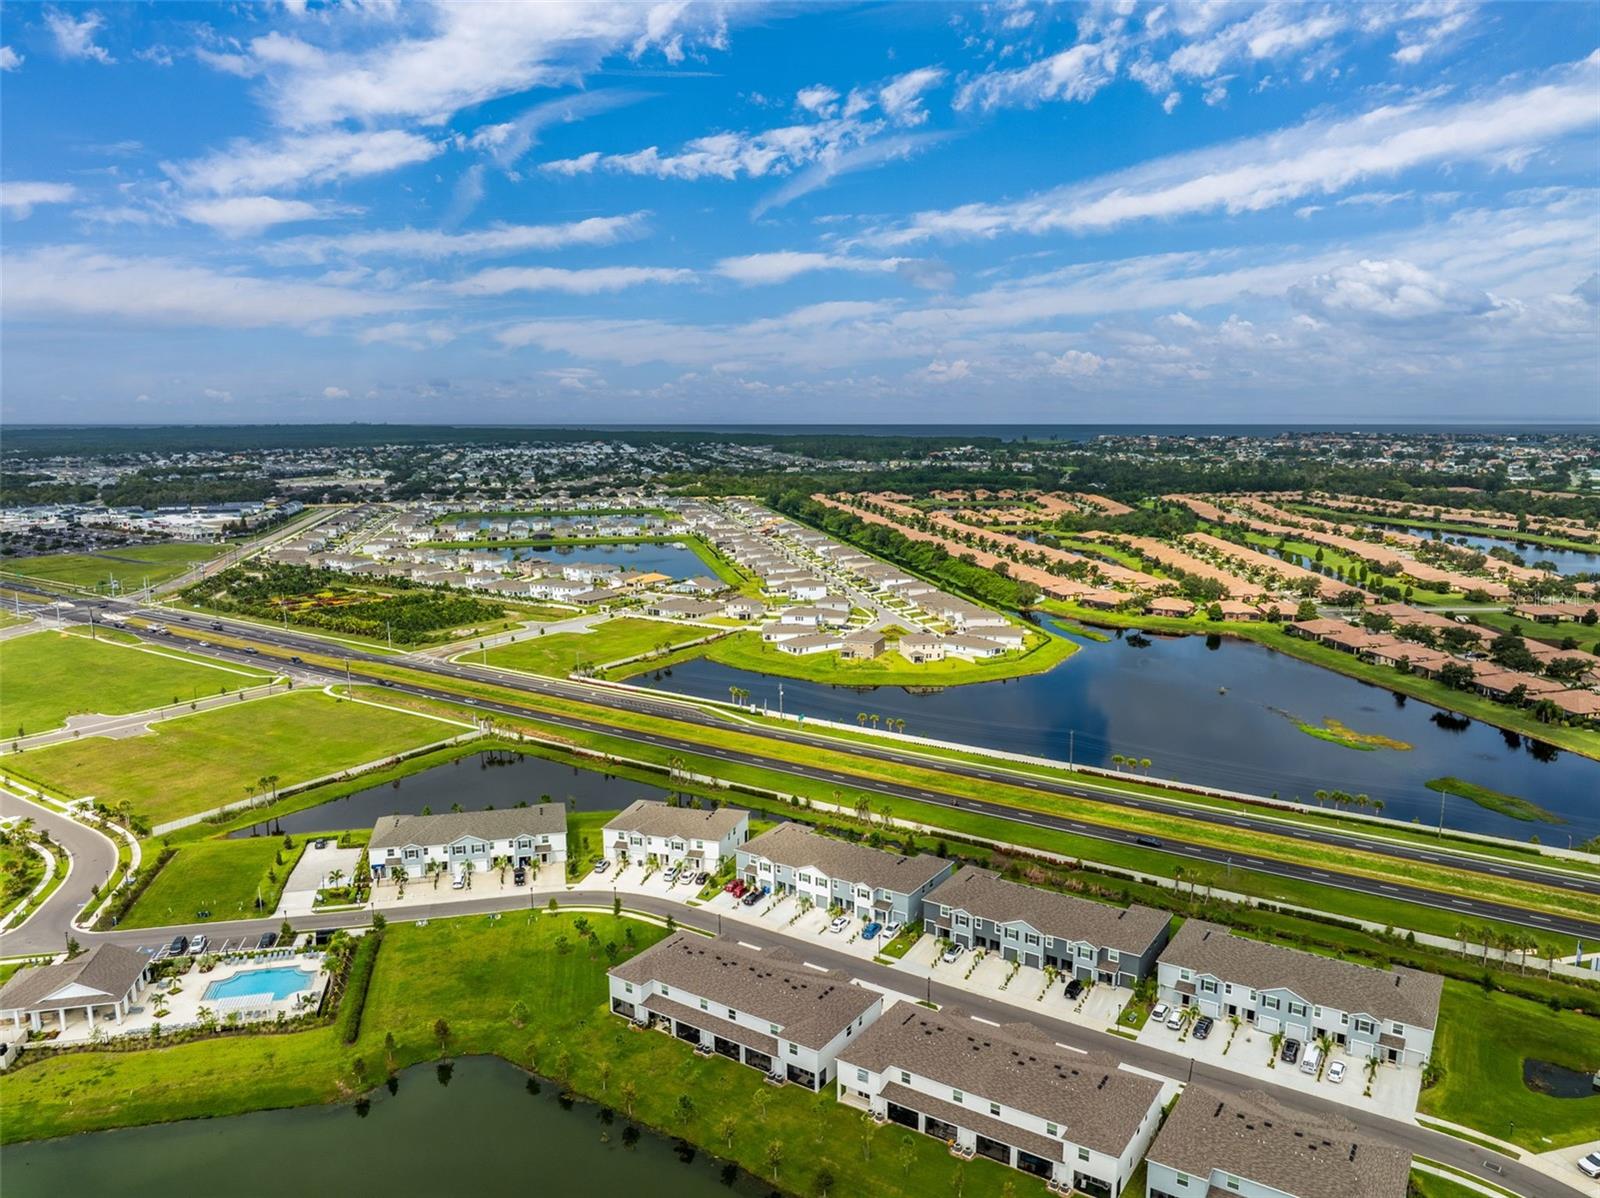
x,y
981,599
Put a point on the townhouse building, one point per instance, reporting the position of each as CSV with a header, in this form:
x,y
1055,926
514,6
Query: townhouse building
x,y
1390,1014
764,1009
1219,1144
1007,1092
867,882
704,837
521,835
977,908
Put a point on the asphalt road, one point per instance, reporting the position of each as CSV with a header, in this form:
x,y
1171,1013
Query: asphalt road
x,y
1493,1167
92,856
1393,888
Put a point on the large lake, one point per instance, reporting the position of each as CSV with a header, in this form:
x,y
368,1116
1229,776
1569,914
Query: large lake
x,y
662,557
1566,561
485,1133
1219,712
476,781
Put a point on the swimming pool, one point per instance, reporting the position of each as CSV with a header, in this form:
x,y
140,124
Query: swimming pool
x,y
278,983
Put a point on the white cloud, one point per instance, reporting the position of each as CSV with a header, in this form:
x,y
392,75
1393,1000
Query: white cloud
x,y
1320,157
335,393
819,100
833,163
902,97
300,160
1074,74
583,164
503,280
408,334
1387,292
435,244
10,60
940,371
444,57
1077,363
75,38
244,216
1417,44
78,281
19,199
507,142
782,266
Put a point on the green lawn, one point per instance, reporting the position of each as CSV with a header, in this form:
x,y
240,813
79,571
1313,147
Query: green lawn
x,y
46,677
1428,1185
21,868
746,651
222,877
559,653
131,567
1481,1043
197,762
1587,635
469,972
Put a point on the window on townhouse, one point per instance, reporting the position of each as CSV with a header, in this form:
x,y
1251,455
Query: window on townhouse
x,y
733,1015
1208,986
1083,1154
962,921
1011,933
1182,1179
1297,1008
793,1051
772,1028
905,1078
1233,1182
861,1076
1398,1029
1111,956
1030,938
955,1096
1085,953
664,990
1366,1027
627,987
1270,1002
1051,1129
704,1006
994,1109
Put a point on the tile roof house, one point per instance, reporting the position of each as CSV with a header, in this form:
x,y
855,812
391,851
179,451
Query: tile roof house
x,y
762,1008
522,835
705,836
1213,1143
107,977
871,883
1008,1092
1390,1014
977,908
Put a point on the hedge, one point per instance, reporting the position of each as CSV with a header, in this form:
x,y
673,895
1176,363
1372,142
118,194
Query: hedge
x,y
355,987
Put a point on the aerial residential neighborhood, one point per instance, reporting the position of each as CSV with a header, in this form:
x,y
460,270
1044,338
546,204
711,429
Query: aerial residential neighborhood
x,y
872,600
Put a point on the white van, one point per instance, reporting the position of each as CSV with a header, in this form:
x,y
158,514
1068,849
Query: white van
x,y
1312,1059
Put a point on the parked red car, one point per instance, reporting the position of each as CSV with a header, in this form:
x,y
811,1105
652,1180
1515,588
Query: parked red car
x,y
735,888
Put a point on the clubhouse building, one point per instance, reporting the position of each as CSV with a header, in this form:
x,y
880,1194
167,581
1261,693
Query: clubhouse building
x,y
106,981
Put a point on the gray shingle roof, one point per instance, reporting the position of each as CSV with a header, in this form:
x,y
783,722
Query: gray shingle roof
x,y
1407,995
397,831
796,845
107,969
811,1008
1093,1101
986,894
651,818
1252,1137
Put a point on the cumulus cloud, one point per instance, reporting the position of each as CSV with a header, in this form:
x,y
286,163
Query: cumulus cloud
x,y
1077,73
75,37
19,199
820,100
10,60
1077,363
504,280
784,265
335,393
902,97
1387,293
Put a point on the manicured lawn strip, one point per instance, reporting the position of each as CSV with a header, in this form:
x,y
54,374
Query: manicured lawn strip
x,y
130,565
1587,635
1466,530
222,877
196,762
1430,1185
560,653
1481,1042
746,651
1334,559
470,972
47,676
1578,740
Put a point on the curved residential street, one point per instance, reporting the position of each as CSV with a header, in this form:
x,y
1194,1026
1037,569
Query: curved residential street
x,y
89,858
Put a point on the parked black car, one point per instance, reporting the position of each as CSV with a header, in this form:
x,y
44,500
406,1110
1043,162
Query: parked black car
x,y
1149,841
1291,1052
1202,1027
179,946
519,876
1074,988
268,939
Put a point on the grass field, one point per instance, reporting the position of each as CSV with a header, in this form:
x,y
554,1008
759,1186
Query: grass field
x,y
1495,800
559,653
1587,635
1481,1043
746,651
198,762
469,973
21,869
47,676
131,567
221,877
1428,1185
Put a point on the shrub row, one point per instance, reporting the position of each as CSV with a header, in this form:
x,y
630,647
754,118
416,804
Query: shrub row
x,y
128,895
355,988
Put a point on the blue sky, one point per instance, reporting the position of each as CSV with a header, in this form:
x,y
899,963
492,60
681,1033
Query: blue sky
x,y
800,213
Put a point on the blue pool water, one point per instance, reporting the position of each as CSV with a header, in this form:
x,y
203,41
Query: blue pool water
x,y
279,982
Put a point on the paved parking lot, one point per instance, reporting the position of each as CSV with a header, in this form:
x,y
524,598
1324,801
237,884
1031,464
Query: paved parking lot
x,y
311,873
1394,1090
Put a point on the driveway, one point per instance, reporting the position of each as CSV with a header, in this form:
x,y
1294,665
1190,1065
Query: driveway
x,y
311,875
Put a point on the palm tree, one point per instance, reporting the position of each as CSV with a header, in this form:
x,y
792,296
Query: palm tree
x,y
335,876
502,863
1321,796
1463,934
1144,764
466,872
1117,759
861,718
399,874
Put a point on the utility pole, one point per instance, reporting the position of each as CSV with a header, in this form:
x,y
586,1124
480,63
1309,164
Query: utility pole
x,y
1070,743
1442,793
780,700
347,677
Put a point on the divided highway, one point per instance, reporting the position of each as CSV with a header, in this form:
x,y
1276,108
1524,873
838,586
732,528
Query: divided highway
x,y
690,715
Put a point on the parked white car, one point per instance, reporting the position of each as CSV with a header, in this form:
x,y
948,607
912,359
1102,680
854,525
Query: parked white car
x,y
1159,1013
892,929
1175,1020
951,953
1336,1072
839,924
1590,1164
